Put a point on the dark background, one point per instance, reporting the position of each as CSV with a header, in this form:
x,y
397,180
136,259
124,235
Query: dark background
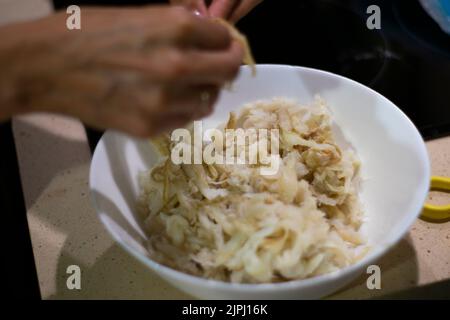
x,y
408,61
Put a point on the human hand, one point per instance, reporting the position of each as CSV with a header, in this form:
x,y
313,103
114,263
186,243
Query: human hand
x,y
231,10
142,71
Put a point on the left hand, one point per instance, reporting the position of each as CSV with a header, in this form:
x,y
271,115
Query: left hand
x,y
231,10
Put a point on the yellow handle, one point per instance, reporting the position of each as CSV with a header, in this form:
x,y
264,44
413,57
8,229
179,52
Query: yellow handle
x,y
437,212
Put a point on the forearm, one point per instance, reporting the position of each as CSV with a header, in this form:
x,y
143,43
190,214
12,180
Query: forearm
x,y
11,66
27,61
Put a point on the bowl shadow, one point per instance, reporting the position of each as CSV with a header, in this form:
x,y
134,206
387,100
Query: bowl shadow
x,y
399,271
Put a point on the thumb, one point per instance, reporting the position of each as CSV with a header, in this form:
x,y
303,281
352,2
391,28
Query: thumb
x,y
222,8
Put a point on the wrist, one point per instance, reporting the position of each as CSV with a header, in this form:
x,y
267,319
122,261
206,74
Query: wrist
x,y
26,50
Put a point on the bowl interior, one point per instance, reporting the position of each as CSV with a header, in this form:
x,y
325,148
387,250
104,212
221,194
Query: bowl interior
x,y
395,165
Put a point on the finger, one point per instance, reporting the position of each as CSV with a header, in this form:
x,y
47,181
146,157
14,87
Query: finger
x,y
222,8
193,31
136,125
211,67
196,101
141,118
244,7
143,127
192,5
168,124
172,66
201,6
187,101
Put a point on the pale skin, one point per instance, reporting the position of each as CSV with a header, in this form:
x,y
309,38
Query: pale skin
x,y
231,10
138,70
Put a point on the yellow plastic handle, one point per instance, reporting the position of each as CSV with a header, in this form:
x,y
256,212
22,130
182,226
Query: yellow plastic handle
x,y
437,212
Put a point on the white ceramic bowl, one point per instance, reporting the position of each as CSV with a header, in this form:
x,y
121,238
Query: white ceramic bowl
x,y
395,169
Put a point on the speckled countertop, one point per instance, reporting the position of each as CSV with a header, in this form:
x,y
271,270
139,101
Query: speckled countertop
x,y
54,160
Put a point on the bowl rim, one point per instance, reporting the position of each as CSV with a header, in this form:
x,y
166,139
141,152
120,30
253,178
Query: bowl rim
x,y
355,268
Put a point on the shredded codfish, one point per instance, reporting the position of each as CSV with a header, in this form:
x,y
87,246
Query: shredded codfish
x,y
242,39
228,222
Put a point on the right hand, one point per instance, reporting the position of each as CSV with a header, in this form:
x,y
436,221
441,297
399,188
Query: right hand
x,y
231,10
142,70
